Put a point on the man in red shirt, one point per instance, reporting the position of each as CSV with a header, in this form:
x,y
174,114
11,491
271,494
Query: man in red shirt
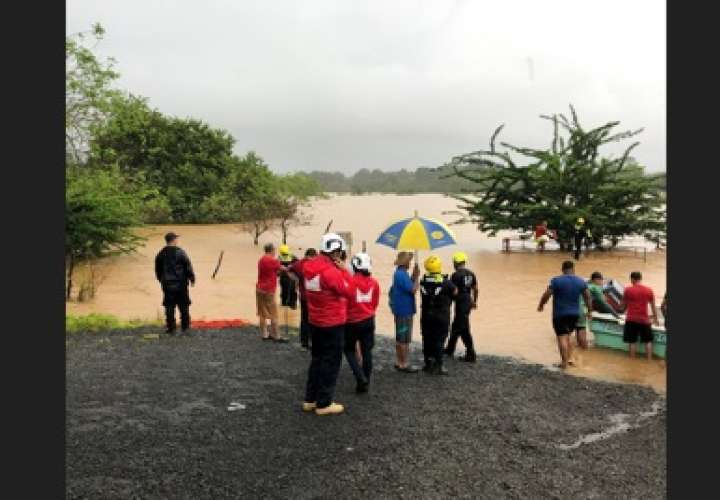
x,y
637,322
328,287
268,269
360,325
296,269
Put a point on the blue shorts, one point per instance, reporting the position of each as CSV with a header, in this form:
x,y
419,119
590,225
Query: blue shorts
x,y
403,329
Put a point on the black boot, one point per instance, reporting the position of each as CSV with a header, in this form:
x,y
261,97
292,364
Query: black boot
x,y
428,368
361,387
469,357
440,369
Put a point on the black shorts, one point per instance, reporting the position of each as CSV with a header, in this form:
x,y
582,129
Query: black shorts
x,y
565,325
633,330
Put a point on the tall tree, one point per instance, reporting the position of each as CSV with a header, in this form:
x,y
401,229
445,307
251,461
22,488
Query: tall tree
x,y
570,179
294,192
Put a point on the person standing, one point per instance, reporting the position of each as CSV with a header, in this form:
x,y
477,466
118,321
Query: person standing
x,y
268,269
296,269
360,327
566,290
580,234
402,305
635,301
288,286
465,301
328,287
541,235
436,293
174,271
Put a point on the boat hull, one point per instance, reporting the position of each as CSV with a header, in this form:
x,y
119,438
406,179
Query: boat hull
x,y
608,332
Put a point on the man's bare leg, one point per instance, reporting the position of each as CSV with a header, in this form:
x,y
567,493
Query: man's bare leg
x,y
273,329
633,348
563,344
582,338
399,354
263,327
648,350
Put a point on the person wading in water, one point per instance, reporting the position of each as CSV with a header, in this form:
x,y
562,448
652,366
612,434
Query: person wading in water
x,y
328,287
636,299
566,290
174,271
360,325
436,293
580,234
465,301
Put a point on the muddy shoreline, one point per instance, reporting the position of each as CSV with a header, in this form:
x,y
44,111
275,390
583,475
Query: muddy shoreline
x,y
150,419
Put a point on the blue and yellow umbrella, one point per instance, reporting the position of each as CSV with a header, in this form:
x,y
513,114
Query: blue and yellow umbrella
x,y
416,233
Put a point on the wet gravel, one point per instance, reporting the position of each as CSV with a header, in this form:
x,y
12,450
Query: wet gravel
x,y
150,419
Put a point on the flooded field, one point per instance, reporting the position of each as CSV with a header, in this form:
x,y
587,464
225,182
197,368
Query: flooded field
x,y
506,321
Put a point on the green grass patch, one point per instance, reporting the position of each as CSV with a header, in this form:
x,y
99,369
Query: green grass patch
x,y
101,322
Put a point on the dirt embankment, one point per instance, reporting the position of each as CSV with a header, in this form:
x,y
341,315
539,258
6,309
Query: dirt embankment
x,y
150,419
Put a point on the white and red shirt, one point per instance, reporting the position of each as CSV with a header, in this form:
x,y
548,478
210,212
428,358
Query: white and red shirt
x,y
363,304
327,291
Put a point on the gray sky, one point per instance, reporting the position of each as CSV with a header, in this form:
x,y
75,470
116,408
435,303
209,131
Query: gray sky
x,y
343,85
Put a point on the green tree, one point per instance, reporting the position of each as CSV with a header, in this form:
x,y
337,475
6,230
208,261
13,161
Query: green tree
x,y
294,192
100,214
568,180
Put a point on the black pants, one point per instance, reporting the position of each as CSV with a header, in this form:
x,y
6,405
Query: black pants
x,y
327,349
461,329
578,246
364,332
176,297
434,333
304,325
288,292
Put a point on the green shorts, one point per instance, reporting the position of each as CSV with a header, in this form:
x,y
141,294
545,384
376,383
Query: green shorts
x,y
403,329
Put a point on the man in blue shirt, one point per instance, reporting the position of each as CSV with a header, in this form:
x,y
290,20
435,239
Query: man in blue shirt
x,y
402,304
566,290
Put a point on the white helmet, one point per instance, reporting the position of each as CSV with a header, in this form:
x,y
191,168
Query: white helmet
x,y
331,242
362,262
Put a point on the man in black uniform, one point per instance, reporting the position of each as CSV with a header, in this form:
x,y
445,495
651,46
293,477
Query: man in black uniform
x,y
465,300
436,293
580,234
174,271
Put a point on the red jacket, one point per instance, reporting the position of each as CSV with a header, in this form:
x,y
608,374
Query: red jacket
x,y
327,290
297,269
364,302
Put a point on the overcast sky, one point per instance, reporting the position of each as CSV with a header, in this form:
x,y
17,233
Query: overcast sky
x,y
343,85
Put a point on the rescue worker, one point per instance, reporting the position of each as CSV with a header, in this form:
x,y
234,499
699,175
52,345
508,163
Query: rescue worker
x,y
174,271
580,234
288,286
328,287
465,300
360,327
296,269
436,294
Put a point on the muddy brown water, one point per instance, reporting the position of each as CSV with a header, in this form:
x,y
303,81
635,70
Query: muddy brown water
x,y
506,322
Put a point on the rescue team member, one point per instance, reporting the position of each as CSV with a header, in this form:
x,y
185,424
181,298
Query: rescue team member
x,y
436,293
566,290
288,286
637,322
268,269
174,271
296,269
360,327
328,287
402,304
580,233
599,304
465,300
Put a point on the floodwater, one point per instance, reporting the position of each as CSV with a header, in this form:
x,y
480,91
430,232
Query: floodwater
x,y
505,323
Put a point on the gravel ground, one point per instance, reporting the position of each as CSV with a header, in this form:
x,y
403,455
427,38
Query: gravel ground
x,y
150,419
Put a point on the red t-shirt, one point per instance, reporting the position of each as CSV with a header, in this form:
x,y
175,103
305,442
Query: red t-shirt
x,y
268,266
637,297
540,231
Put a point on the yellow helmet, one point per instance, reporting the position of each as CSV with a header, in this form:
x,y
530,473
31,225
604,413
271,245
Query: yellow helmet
x,y
433,265
581,220
284,250
459,258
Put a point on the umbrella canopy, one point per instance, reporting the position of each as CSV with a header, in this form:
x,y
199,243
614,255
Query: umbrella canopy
x,y
416,233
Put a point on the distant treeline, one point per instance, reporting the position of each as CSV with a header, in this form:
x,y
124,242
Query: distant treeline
x,y
422,180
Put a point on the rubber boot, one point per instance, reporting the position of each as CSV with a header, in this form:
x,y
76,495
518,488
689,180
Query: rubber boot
x,y
428,368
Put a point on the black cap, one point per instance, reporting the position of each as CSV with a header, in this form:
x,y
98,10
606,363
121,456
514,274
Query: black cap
x,y
171,236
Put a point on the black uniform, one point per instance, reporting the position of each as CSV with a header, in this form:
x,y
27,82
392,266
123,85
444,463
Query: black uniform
x,y
464,279
174,271
288,286
436,293
580,232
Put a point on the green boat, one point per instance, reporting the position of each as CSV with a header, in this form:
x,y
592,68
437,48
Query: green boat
x,y
608,332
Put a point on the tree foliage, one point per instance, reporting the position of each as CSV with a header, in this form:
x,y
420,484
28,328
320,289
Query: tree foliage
x,y
568,180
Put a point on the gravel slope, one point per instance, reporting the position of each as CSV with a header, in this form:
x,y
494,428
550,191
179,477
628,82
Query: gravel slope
x,y
149,419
